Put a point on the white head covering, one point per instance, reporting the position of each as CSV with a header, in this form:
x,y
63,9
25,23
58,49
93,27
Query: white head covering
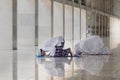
x,y
50,44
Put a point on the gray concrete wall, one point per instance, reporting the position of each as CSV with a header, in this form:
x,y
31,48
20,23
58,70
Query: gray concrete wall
x,y
26,22
5,24
114,32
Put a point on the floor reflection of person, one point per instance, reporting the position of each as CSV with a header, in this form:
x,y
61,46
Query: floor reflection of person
x,y
92,64
54,66
90,45
54,47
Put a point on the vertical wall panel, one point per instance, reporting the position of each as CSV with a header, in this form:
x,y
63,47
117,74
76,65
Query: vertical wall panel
x,y
5,24
76,24
58,19
68,26
114,33
26,22
83,23
44,22
26,39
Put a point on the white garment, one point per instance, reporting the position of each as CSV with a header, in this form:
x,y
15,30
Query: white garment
x,y
104,50
49,46
91,45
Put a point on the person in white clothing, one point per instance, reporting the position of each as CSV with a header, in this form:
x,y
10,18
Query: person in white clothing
x,y
54,47
90,45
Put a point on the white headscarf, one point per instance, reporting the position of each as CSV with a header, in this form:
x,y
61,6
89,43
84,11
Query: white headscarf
x,y
50,44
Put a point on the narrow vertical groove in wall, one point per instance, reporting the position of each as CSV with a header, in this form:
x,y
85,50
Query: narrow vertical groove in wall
x,y
107,23
95,18
102,25
99,17
64,18
72,22
36,35
111,9
102,16
104,21
110,35
86,17
80,17
98,24
105,5
92,17
36,22
104,29
99,5
14,29
108,31
52,19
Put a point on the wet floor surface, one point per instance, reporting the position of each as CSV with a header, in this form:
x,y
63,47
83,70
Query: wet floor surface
x,y
23,65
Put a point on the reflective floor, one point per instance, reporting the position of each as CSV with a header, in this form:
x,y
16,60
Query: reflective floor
x,y
22,65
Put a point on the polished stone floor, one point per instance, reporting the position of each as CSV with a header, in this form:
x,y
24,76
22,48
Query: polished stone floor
x,y
23,65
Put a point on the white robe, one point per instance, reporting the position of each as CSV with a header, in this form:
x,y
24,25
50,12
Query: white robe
x,y
49,46
91,45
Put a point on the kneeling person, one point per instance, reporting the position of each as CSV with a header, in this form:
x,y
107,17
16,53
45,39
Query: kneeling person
x,y
90,45
54,47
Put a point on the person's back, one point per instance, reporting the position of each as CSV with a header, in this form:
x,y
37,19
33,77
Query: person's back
x,y
51,43
90,45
